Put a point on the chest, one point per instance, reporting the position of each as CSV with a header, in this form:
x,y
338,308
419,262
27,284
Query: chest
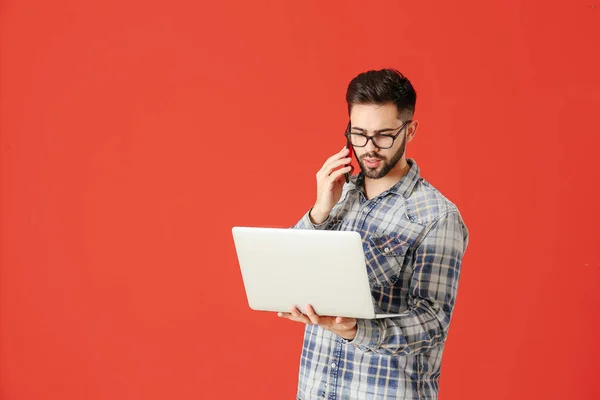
x,y
388,235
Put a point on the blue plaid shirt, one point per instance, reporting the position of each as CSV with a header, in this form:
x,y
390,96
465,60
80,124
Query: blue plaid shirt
x,y
414,240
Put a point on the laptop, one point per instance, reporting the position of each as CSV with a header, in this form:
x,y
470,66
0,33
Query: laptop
x,y
283,267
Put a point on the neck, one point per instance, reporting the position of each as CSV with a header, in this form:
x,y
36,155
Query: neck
x,y
374,187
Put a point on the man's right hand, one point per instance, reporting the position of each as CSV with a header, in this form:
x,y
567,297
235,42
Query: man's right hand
x,y
329,185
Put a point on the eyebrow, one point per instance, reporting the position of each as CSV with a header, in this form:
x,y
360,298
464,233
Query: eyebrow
x,y
377,131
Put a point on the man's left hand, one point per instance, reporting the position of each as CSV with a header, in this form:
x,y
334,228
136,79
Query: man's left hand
x,y
341,326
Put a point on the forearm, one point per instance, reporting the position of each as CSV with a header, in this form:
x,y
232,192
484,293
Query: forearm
x,y
415,331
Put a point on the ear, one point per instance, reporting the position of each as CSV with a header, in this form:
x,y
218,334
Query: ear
x,y
412,130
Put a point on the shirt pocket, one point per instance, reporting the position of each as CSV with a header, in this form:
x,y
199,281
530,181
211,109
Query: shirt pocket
x,y
385,256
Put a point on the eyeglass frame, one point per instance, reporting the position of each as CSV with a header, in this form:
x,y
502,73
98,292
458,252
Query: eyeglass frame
x,y
394,137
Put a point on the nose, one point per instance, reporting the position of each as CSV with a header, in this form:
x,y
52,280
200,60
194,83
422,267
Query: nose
x,y
370,147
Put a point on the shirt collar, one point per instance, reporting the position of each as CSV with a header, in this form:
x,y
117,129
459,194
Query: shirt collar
x,y
404,186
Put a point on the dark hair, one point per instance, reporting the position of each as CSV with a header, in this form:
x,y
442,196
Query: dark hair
x,y
382,87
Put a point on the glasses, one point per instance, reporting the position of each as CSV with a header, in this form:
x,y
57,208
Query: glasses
x,y
381,141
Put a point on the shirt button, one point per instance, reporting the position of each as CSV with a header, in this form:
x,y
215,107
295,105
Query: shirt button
x,y
332,365
387,249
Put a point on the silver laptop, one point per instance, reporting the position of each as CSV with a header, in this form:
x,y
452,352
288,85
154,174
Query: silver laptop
x,y
283,267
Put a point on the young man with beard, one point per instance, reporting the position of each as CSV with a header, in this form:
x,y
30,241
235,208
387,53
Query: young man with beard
x,y
414,240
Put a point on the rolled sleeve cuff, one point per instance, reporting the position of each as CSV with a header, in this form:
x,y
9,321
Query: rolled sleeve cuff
x,y
367,335
306,223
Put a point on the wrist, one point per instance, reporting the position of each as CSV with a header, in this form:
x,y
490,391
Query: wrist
x,y
317,217
350,334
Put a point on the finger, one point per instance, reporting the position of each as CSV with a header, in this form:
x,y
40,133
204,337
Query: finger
x,y
335,157
298,316
335,175
290,317
345,323
330,167
349,172
340,153
312,315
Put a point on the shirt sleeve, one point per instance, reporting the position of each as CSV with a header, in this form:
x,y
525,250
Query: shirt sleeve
x,y
306,223
431,299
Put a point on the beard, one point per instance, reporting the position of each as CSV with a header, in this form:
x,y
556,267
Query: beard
x,y
385,166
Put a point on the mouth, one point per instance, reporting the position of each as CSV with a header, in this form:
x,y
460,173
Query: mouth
x,y
372,162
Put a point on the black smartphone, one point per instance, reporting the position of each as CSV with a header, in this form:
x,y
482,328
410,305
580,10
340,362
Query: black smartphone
x,y
349,146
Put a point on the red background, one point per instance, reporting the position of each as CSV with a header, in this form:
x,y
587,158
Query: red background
x,y
135,134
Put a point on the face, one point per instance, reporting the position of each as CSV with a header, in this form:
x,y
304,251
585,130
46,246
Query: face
x,y
371,119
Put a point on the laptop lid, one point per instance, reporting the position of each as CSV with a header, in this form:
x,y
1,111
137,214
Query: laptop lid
x,y
283,267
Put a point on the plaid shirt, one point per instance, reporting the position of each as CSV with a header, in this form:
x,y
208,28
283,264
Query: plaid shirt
x,y
414,240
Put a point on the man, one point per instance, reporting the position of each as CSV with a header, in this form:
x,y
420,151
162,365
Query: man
x,y
414,240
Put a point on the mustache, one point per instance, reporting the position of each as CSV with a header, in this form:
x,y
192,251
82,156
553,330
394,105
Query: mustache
x,y
372,155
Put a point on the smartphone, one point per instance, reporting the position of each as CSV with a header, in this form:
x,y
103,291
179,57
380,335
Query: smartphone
x,y
349,146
